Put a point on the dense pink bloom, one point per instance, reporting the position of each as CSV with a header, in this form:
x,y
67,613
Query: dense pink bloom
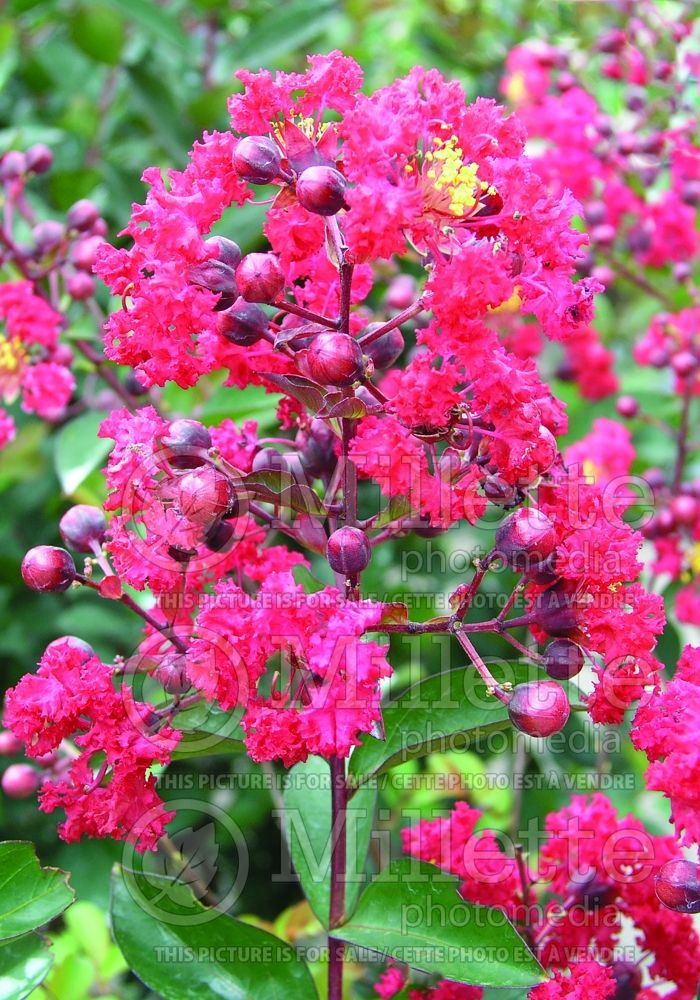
x,y
72,695
46,389
7,429
584,981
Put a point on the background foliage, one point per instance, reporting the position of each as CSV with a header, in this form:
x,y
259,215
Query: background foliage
x,y
114,86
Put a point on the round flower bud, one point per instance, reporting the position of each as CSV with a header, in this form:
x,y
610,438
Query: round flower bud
x,y
525,537
20,781
171,673
385,349
186,443
321,190
218,536
690,192
684,363
74,643
499,492
627,407
563,659
628,979
611,41
82,215
12,165
334,359
204,495
228,251
401,291
243,324
554,610
539,708
257,159
215,276
603,235
317,448
348,551
269,460
80,286
659,358
259,277
9,744
47,568
39,158
678,886
82,527
84,252
685,510
132,384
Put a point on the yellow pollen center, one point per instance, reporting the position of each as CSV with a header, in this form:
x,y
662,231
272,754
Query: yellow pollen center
x,y
449,174
12,355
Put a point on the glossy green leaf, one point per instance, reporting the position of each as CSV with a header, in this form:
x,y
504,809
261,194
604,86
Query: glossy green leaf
x,y
307,800
189,953
79,451
413,912
444,712
208,731
24,964
30,895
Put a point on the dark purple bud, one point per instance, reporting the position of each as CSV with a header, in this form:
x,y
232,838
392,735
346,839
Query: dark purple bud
x,y
83,527
563,659
348,551
525,537
539,708
259,277
684,363
228,251
219,536
595,213
554,610
215,276
335,359
659,358
386,349
48,568
678,886
257,159
603,235
84,252
243,324
690,193
401,291
685,510
611,41
171,673
321,190
317,446
186,444
133,386
628,980
9,744
269,460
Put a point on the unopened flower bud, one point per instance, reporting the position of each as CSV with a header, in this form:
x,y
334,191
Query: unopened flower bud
x,y
348,551
384,351
228,251
628,980
539,708
215,276
9,744
317,448
563,659
74,643
627,407
243,324
259,277
48,235
82,527
401,292
20,781
678,886
219,536
82,215
555,611
84,252
525,537
321,190
257,159
204,495
48,568
39,158
334,359
269,460
685,510
684,363
80,286
186,443
12,165
171,674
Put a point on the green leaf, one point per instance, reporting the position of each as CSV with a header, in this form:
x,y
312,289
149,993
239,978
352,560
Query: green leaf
x,y
444,712
207,731
79,451
233,959
307,800
30,895
153,18
99,32
413,912
279,487
24,964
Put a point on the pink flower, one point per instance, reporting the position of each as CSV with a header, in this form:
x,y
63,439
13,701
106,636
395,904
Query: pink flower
x,y
585,981
46,389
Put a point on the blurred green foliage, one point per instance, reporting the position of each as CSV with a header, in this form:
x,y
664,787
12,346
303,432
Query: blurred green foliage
x,y
114,86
